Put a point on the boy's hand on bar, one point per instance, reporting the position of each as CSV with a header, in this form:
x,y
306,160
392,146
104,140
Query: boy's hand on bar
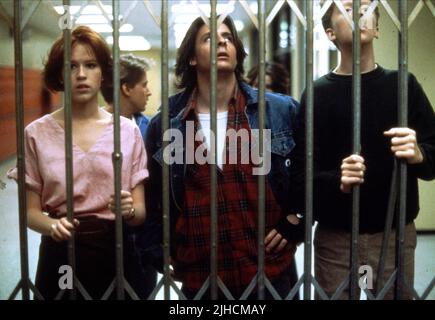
x,y
352,172
404,144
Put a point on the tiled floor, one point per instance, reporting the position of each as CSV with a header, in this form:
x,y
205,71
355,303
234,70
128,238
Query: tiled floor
x,y
9,236
10,254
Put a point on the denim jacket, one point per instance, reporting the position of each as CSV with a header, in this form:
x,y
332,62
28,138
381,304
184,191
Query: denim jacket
x,y
280,117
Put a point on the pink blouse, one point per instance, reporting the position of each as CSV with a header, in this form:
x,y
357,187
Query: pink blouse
x,y
92,170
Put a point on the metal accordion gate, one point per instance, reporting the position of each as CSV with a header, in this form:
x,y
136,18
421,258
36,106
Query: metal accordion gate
x,y
261,20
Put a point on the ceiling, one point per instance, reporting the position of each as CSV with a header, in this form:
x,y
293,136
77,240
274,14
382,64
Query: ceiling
x,y
138,15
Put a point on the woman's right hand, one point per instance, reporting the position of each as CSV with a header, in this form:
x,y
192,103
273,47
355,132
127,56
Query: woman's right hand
x,y
60,229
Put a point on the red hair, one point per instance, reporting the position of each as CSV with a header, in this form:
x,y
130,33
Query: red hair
x,y
53,69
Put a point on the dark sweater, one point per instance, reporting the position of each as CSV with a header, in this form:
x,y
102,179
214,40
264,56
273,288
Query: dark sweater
x,y
333,129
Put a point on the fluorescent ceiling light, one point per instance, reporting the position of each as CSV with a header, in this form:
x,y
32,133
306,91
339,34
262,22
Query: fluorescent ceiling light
x,y
126,27
239,25
254,7
131,43
94,18
107,28
91,19
72,9
191,9
90,9
180,30
185,18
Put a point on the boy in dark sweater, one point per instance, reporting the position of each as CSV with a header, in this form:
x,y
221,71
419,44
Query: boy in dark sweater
x,y
336,170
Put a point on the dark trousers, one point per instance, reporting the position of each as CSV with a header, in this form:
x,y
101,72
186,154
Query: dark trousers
x,y
142,277
95,260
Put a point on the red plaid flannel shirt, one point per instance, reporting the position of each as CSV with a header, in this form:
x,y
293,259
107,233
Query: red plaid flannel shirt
x,y
237,207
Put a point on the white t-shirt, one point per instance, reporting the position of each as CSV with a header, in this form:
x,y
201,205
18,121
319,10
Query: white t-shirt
x,y
222,118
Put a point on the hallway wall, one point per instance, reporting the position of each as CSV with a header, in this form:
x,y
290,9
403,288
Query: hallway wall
x,y
422,65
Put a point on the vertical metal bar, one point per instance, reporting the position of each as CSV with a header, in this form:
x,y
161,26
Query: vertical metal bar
x,y
356,145
309,148
68,145
213,153
298,61
117,155
261,110
391,210
403,122
18,51
165,168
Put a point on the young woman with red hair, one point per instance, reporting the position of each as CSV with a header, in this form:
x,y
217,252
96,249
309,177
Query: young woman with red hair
x,y
92,131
